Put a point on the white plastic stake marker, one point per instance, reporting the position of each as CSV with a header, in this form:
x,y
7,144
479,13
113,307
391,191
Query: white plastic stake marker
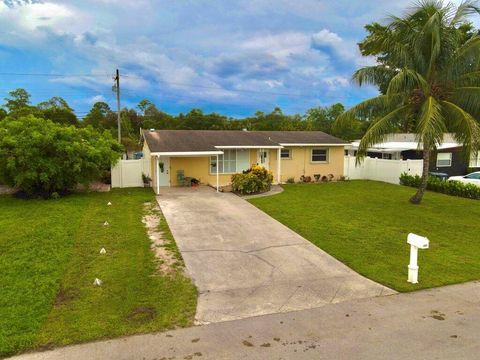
x,y
106,223
97,282
103,251
415,242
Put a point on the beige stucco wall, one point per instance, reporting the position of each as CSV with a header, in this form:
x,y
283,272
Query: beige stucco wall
x,y
299,164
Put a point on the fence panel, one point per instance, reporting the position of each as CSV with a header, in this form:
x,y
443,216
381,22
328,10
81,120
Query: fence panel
x,y
128,173
381,169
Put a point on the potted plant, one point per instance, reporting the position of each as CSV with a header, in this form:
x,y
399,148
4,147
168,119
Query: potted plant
x,y
147,180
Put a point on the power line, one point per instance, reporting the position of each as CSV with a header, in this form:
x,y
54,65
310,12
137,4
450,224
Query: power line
x,y
192,86
54,75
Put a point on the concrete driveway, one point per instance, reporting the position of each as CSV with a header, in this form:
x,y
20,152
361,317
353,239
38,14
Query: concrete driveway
x,y
244,263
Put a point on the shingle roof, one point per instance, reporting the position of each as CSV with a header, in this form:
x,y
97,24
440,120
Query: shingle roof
x,y
208,140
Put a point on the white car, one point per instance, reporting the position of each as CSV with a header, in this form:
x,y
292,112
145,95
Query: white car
x,y
472,178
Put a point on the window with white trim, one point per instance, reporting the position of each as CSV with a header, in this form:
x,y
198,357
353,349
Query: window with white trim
x,y
232,161
319,155
285,154
444,159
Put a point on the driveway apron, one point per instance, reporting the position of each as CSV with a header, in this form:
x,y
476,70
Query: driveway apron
x,y
245,263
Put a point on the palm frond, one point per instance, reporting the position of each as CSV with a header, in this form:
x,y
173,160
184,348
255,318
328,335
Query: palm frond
x,y
468,98
465,128
373,75
405,81
380,128
431,125
465,9
468,79
465,59
367,109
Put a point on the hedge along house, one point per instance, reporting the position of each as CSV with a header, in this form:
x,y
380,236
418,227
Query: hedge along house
x,y
212,156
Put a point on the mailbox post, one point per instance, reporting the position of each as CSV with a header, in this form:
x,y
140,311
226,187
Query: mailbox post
x,y
415,242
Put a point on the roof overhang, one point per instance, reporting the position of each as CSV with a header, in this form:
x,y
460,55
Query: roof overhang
x,y
249,147
187,153
286,144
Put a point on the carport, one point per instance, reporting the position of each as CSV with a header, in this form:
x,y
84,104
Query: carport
x,y
165,157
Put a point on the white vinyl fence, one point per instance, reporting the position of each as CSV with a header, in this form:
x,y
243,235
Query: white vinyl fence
x,y
128,173
381,169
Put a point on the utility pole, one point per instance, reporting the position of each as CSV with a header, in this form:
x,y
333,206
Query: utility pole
x,y
116,87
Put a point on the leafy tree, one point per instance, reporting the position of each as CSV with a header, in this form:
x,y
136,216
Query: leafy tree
x,y
154,118
196,119
19,98
433,81
97,115
57,110
144,105
40,157
322,117
3,114
18,104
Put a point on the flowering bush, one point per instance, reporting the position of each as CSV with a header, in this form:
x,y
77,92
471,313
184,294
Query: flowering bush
x,y
254,180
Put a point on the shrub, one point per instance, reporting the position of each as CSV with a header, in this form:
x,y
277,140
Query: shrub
x,y
291,180
254,180
305,179
40,157
454,188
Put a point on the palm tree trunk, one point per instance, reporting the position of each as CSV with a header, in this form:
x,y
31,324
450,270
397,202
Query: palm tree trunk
x,y
417,198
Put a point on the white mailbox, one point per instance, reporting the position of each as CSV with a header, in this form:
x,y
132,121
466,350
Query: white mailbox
x,y
416,242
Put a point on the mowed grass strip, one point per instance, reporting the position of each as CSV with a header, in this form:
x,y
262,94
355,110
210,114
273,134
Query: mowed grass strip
x,y
365,225
52,258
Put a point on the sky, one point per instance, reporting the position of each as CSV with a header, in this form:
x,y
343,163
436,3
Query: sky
x,y
233,57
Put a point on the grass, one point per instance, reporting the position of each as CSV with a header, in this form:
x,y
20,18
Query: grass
x,y
365,224
50,258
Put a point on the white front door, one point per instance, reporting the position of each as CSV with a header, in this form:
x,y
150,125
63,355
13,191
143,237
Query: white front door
x,y
262,158
163,171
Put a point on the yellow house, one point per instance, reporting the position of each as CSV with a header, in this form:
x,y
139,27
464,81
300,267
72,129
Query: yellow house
x,y
212,156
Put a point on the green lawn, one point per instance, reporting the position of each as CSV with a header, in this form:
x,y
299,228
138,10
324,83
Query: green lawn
x,y
49,258
365,224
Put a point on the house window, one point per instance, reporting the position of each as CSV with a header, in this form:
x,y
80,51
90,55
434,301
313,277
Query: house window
x,y
319,155
285,154
230,162
386,156
444,159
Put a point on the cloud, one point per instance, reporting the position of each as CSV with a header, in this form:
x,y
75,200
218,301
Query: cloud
x,y
216,54
95,99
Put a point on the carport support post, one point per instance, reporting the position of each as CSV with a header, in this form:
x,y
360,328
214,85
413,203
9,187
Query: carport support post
x,y
217,172
279,165
157,174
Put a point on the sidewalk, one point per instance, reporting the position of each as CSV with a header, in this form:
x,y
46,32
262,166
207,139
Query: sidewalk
x,y
442,323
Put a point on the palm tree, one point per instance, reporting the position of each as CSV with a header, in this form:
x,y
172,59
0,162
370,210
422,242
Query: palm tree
x,y
428,69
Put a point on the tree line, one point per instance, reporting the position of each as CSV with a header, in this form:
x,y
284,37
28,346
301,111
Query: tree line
x,y
146,115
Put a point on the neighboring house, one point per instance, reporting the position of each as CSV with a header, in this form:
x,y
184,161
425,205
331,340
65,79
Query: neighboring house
x,y
448,158
212,156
